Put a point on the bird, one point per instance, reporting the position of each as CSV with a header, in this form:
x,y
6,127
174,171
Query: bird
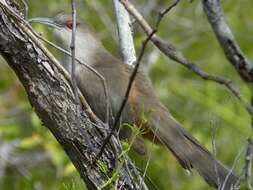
x,y
159,124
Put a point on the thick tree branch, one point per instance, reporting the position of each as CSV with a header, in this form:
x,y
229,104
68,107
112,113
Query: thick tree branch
x,y
52,98
125,33
226,39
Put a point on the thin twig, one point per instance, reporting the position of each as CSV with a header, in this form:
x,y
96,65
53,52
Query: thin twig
x,y
162,13
131,80
133,169
149,179
149,157
248,164
73,52
214,151
73,67
223,185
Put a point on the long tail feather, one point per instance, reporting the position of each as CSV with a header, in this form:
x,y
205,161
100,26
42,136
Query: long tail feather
x,y
190,153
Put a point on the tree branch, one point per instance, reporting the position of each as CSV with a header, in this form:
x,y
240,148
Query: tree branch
x,y
226,39
248,164
125,33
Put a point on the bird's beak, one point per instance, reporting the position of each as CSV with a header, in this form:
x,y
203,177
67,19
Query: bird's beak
x,y
46,21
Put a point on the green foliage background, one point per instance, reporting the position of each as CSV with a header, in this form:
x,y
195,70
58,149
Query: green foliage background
x,y
199,105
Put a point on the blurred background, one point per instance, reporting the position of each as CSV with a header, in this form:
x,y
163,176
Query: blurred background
x,y
30,157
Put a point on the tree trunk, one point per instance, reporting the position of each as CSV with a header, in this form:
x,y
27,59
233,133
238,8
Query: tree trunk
x,y
50,94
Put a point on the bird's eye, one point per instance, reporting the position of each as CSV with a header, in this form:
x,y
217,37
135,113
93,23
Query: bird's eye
x,y
69,24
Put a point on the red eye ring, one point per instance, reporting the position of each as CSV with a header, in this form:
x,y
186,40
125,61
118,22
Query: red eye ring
x,y
69,24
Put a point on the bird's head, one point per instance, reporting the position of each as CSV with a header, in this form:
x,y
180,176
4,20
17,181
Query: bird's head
x,y
87,43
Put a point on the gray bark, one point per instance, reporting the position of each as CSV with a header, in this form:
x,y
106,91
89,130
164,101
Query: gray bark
x,y
125,33
234,54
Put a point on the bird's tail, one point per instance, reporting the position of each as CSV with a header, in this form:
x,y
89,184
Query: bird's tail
x,y
190,153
